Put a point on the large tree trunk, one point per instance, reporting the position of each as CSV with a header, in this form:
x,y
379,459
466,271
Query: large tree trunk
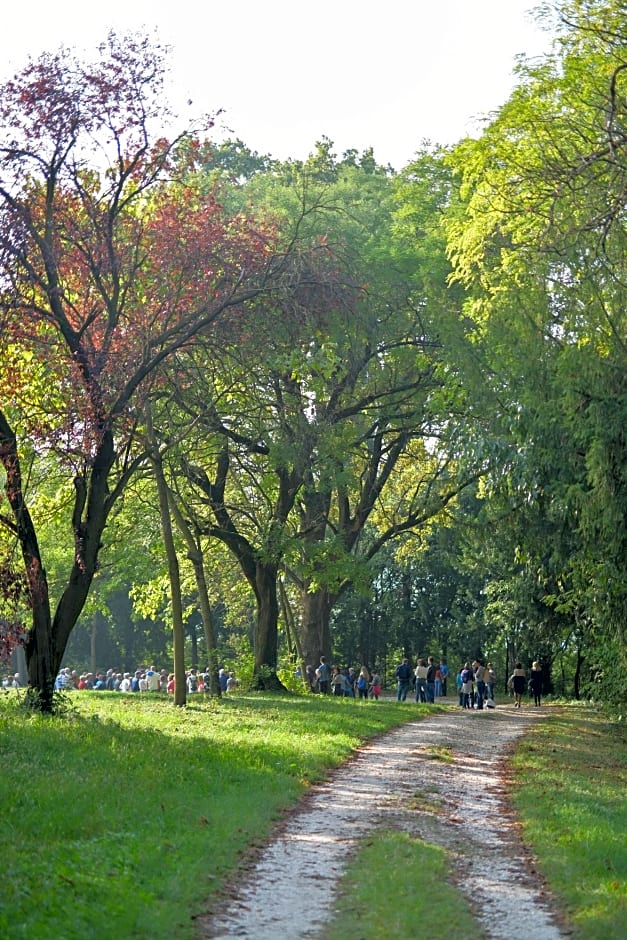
x,y
261,575
315,634
49,636
267,632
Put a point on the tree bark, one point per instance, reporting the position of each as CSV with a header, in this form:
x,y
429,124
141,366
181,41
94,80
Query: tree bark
x,y
178,631
315,632
49,635
266,635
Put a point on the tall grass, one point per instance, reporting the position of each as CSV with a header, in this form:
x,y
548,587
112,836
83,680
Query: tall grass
x,y
122,818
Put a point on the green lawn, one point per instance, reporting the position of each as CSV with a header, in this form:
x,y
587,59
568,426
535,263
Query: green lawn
x,y
121,819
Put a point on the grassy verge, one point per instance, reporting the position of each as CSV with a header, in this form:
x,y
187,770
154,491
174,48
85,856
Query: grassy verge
x,y
122,818
398,888
569,787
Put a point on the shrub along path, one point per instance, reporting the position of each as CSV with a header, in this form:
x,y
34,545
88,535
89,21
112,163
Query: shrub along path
x,y
441,779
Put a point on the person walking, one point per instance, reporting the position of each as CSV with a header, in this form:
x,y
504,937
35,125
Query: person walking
x,y
438,682
338,681
480,674
466,686
363,682
403,678
517,682
421,680
431,680
535,683
323,672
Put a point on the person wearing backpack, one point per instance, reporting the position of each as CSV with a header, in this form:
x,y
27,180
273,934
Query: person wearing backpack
x,y
363,682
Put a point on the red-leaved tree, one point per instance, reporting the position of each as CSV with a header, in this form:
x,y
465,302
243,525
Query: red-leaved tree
x,y
109,264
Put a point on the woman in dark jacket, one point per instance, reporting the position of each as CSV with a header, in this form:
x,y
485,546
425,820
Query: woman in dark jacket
x,y
535,683
517,683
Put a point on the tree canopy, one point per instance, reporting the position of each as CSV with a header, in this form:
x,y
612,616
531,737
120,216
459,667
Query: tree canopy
x,y
397,400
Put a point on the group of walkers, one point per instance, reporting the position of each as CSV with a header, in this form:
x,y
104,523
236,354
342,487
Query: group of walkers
x,y
475,682
518,683
345,682
428,680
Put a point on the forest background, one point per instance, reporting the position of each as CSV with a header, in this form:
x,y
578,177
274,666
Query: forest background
x,y
256,411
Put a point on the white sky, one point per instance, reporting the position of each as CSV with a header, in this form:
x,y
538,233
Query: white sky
x,y
388,74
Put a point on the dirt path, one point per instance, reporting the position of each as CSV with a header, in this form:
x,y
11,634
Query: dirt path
x,y
381,787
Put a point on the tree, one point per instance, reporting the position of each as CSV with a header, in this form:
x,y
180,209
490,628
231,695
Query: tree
x,y
306,425
539,242
105,271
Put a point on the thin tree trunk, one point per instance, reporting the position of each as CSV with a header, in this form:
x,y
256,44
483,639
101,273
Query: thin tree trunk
x,y
178,631
195,554
292,632
92,642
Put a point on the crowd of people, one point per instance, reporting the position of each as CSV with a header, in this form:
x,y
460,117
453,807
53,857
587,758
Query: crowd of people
x,y
427,679
148,679
475,681
12,681
346,682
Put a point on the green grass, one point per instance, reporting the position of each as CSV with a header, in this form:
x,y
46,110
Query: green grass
x,y
398,888
570,789
123,818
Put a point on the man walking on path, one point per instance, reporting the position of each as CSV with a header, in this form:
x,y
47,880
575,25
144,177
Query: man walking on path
x,y
480,675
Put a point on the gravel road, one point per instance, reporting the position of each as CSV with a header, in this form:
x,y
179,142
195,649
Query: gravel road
x,y
288,889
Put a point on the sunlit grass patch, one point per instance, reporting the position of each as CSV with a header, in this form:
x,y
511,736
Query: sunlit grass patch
x,y
569,786
425,801
440,752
